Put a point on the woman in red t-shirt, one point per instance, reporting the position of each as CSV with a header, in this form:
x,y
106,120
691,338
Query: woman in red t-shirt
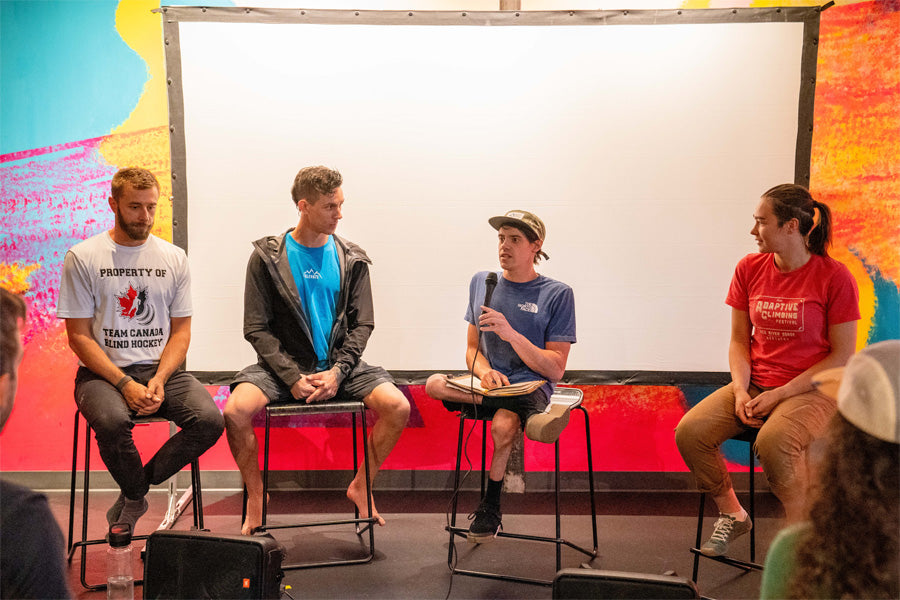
x,y
793,313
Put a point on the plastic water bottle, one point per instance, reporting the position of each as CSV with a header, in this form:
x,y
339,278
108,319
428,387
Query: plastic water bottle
x,y
119,577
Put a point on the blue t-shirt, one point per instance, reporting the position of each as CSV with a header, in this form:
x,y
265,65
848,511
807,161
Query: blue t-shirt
x,y
543,310
317,276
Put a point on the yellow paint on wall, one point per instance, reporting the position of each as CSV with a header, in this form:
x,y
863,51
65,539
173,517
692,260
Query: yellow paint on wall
x,y
867,301
143,138
142,31
14,276
148,148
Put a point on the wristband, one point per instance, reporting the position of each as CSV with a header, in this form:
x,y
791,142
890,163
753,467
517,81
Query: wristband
x,y
123,382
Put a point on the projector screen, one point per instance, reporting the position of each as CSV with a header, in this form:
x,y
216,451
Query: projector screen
x,y
643,140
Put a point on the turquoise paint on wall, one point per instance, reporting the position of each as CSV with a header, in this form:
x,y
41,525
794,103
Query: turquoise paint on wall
x,y
65,73
886,325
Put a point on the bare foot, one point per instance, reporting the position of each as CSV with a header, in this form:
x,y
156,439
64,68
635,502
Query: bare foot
x,y
254,514
358,497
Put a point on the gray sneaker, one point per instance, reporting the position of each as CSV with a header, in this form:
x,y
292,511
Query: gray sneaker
x,y
132,510
727,529
112,515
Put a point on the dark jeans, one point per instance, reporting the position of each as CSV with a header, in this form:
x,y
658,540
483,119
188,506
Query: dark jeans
x,y
186,403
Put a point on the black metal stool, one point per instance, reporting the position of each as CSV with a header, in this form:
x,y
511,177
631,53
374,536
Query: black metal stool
x,y
748,436
572,396
84,542
362,523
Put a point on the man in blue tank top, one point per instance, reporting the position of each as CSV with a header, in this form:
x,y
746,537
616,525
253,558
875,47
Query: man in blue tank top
x,y
308,314
523,335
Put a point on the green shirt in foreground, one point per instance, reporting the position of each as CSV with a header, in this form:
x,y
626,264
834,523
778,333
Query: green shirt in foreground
x,y
781,561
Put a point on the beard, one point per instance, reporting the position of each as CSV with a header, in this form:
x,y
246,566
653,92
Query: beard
x,y
136,231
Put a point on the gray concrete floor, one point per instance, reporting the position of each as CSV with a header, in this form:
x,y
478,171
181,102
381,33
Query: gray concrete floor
x,y
647,532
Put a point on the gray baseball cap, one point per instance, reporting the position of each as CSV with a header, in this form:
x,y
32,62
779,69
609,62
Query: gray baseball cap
x,y
866,389
521,219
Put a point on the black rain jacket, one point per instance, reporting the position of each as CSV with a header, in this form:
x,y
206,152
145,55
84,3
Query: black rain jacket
x,y
276,324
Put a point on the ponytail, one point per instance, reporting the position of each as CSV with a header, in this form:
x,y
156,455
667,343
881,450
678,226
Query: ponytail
x,y
820,235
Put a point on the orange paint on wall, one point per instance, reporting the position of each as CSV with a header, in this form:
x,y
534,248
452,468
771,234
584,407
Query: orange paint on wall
x,y
856,141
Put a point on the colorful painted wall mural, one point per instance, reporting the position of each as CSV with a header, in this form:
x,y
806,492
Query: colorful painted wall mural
x,y
83,88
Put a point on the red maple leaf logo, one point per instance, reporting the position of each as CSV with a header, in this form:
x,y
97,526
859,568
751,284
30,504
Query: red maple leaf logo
x,y
126,302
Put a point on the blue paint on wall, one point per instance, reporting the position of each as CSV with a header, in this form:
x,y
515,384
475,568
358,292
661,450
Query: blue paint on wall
x,y
886,324
66,73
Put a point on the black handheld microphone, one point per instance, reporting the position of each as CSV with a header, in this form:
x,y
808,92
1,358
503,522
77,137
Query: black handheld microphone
x,y
490,282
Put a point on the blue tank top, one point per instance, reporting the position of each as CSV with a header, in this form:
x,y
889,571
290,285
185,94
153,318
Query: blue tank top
x,y
317,275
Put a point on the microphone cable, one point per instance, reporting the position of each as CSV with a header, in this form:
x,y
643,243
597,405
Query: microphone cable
x,y
454,557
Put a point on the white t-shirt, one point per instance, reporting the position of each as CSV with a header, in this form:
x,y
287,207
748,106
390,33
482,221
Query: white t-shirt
x,y
131,292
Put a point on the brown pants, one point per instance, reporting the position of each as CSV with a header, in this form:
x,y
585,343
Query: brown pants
x,y
781,444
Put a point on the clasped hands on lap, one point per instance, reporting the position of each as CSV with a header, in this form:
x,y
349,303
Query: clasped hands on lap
x,y
144,400
753,411
316,387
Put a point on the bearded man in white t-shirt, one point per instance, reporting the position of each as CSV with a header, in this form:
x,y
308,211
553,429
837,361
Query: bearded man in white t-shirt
x,y
126,297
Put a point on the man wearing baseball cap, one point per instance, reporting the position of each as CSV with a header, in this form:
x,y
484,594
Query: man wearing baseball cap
x,y
520,331
850,546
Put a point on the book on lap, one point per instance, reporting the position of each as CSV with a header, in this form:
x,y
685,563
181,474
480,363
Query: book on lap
x,y
468,383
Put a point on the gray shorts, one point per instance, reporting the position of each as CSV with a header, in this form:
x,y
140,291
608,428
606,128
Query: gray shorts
x,y
524,406
357,385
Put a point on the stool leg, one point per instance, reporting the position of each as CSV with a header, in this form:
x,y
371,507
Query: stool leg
x,y
265,490
590,465
699,536
454,501
459,450
365,436
558,524
752,505
356,466
72,487
244,506
84,505
196,494
483,458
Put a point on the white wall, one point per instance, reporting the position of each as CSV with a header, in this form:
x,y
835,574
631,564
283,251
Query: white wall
x,y
644,148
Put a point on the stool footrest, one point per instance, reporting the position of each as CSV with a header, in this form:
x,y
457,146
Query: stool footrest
x,y
136,538
334,563
497,576
102,586
368,521
463,532
734,562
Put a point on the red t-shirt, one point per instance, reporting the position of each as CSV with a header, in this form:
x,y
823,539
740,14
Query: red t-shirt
x,y
791,312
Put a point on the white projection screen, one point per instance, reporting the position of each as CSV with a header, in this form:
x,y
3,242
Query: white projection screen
x,y
642,138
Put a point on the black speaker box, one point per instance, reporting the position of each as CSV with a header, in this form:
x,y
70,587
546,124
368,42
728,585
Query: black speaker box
x,y
594,583
200,564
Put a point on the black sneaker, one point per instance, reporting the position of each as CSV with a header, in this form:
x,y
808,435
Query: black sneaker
x,y
486,523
